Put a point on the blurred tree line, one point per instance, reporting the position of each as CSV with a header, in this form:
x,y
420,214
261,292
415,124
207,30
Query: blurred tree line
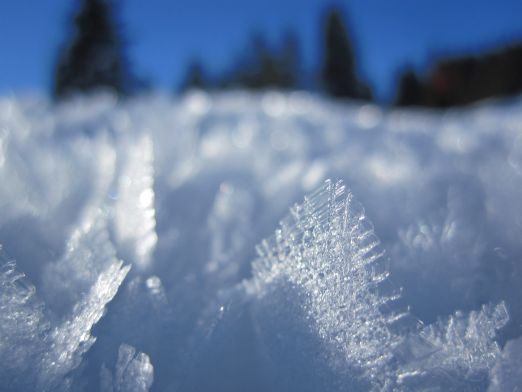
x,y
95,58
264,67
260,67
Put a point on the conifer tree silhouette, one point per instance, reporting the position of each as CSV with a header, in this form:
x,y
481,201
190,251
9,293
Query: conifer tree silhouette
x,y
263,66
289,67
95,57
195,77
410,90
338,73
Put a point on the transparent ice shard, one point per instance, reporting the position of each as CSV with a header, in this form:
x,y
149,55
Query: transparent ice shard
x,y
134,372
35,354
88,252
506,375
70,340
23,327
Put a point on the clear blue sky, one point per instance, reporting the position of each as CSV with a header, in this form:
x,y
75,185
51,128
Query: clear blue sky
x,y
164,34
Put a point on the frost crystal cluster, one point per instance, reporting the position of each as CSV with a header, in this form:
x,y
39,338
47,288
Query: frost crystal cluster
x,y
327,249
22,325
132,255
47,354
134,372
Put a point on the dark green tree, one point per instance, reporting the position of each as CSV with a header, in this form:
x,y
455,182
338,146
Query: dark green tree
x,y
410,90
195,77
289,62
95,57
261,66
338,71
263,71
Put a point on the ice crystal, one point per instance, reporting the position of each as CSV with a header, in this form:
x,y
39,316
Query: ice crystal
x,y
134,372
34,353
457,353
72,338
507,373
23,326
327,249
467,341
87,253
326,261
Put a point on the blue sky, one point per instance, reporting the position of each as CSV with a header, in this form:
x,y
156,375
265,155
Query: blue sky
x,y
164,35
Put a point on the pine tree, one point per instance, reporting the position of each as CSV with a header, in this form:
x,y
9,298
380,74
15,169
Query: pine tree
x,y
95,57
195,77
264,66
289,67
410,90
264,72
338,72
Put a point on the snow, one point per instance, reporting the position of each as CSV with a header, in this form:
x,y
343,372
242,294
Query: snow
x,y
197,243
134,373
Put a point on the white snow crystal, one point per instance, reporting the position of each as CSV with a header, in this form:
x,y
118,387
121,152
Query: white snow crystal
x,y
507,373
33,353
23,326
88,252
327,250
326,260
70,340
134,372
457,354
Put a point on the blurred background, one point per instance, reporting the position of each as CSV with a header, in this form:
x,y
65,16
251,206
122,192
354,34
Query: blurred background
x,y
403,52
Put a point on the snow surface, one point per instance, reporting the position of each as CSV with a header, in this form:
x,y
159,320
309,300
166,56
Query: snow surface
x,y
197,244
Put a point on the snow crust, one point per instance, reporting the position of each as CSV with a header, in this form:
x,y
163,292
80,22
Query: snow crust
x,y
198,243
